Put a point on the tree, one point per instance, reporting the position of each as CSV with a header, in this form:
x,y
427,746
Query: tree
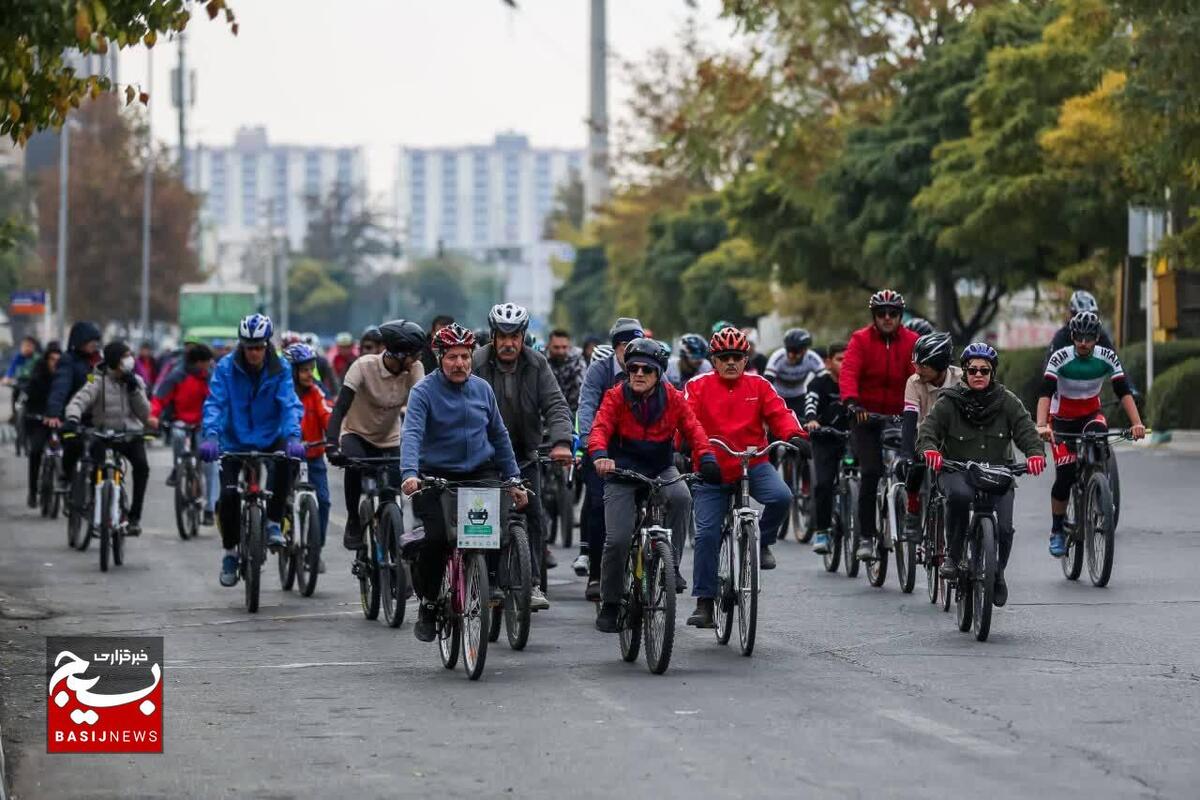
x,y
584,302
565,220
729,282
105,239
316,301
18,239
345,233
38,89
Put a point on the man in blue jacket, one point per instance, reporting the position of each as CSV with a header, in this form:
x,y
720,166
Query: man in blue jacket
x,y
251,405
452,430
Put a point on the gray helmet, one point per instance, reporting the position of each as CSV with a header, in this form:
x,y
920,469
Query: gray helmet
x,y
1085,325
920,326
1083,301
625,329
934,350
508,318
797,339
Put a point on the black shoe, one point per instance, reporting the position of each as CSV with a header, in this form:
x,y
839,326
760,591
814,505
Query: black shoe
x,y
592,592
352,538
912,528
606,620
551,561
866,550
31,500
765,559
207,519
680,583
702,617
1000,590
426,628
948,570
171,479
133,529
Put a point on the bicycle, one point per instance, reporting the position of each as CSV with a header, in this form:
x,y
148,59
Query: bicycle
x,y
888,515
738,587
797,471
558,493
462,620
1091,521
976,578
300,557
110,501
252,550
382,577
514,574
189,484
931,550
79,500
647,608
50,489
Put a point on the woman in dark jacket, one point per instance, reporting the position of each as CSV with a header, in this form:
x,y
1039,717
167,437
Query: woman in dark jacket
x,y
37,393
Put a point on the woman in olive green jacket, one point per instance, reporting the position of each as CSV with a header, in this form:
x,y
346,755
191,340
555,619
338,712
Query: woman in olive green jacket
x,y
980,421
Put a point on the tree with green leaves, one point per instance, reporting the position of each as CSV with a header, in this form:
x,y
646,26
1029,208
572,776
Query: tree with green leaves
x,y
584,302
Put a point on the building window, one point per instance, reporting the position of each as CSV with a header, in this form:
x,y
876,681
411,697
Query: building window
x,y
249,190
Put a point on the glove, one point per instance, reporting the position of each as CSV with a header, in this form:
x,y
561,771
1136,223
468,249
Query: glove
x,y
801,444
333,454
130,381
853,408
933,460
295,449
710,471
1062,454
1035,464
70,426
209,451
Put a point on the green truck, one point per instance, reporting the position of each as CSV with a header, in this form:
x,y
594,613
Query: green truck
x,y
208,312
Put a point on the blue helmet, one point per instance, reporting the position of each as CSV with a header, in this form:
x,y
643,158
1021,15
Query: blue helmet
x,y
979,350
300,353
255,328
694,346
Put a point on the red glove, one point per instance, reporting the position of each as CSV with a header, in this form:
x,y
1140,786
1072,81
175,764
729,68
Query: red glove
x,y
933,460
1036,464
1062,454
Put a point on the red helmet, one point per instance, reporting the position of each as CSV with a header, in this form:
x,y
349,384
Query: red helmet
x,y
887,298
453,335
728,340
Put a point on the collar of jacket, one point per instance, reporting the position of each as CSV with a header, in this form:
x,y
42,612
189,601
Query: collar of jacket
x,y
492,360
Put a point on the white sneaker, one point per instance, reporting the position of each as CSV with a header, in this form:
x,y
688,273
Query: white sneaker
x,y
537,600
582,564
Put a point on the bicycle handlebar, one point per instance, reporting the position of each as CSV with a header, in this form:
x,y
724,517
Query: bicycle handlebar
x,y
248,455
654,483
751,453
1124,433
432,482
949,465
108,435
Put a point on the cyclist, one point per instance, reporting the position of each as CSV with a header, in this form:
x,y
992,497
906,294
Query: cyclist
x,y
1081,301
568,365
791,367
920,326
81,356
371,341
823,409
934,374
1070,399
115,399
606,370
251,405
635,429
37,392
20,367
530,403
589,346
327,376
429,359
147,365
737,408
878,362
313,423
978,420
366,419
691,361
343,354
181,396
453,430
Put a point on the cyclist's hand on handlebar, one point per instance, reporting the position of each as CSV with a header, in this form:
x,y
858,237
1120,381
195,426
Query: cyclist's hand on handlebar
x,y
520,498
812,425
933,460
801,444
605,466
1035,464
1046,433
710,471
209,450
1138,431
333,454
410,486
562,454
52,422
152,423
857,411
295,449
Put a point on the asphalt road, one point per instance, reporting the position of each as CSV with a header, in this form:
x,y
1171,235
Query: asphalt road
x,y
852,691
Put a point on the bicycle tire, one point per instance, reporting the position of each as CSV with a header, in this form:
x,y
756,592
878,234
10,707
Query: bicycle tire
x,y
933,549
833,559
850,534
1114,483
630,615
105,529
285,556
877,570
308,546
476,615
566,514
77,510
963,591
726,600
1072,562
906,552
393,582
802,505
251,553
368,573
660,595
1100,534
448,623
46,493
984,585
518,576
748,576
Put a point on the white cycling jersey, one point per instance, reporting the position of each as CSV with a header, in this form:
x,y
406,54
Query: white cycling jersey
x,y
791,380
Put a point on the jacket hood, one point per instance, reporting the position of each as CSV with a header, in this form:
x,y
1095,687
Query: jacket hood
x,y
82,333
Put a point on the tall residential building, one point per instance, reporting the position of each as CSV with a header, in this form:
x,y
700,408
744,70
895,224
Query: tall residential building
x,y
254,190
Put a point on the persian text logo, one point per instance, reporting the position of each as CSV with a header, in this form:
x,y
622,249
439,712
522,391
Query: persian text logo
x,y
104,694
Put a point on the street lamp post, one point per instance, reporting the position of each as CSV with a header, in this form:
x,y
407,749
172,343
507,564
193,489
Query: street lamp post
x,y
64,163
147,192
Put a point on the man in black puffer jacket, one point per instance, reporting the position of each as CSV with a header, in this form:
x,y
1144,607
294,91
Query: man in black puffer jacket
x,y
83,353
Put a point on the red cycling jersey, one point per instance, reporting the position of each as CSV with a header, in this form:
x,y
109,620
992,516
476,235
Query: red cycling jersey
x,y
875,369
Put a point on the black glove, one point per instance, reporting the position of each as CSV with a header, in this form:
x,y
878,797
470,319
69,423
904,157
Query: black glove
x,y
333,454
710,471
70,426
130,381
802,445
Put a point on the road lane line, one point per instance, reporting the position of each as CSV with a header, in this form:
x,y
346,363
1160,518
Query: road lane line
x,y
946,733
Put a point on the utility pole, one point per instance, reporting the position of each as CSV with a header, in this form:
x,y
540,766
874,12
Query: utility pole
x,y
183,97
595,180
147,192
64,150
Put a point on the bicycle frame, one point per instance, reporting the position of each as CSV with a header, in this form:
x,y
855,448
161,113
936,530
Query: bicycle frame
x,y
742,511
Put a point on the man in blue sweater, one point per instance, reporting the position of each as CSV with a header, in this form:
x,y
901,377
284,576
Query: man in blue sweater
x,y
452,430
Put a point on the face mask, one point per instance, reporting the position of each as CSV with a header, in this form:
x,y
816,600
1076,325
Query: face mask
x,y
127,364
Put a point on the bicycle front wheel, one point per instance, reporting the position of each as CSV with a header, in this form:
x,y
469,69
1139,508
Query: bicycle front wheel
x,y
934,549
659,626
106,532
252,558
77,511
368,566
630,619
726,600
476,615
47,497
802,504
984,575
1100,536
1072,562
747,584
286,556
448,623
906,551
566,514
308,546
850,523
393,582
517,573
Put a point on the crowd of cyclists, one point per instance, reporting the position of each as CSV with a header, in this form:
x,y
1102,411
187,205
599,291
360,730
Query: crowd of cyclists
x,y
460,405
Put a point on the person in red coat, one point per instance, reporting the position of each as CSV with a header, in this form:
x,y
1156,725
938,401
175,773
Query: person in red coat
x,y
877,364
738,408
312,427
635,429
180,397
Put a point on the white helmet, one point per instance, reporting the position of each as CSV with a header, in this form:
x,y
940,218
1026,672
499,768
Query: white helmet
x,y
508,318
601,352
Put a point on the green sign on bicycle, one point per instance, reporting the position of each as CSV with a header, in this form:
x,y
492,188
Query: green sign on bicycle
x,y
479,518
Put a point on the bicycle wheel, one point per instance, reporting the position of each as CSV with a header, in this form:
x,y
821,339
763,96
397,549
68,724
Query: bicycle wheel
x,y
187,514
105,528
833,558
963,591
802,503
1072,562
850,529
906,552
786,474
517,580
984,583
286,555
77,511
308,545
747,584
393,582
726,599
1100,536
45,487
659,626
933,548
1114,483
448,623
566,513
476,615
252,554
368,567
630,615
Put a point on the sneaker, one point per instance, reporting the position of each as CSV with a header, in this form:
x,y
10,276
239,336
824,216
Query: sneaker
x,y
592,592
821,543
495,593
133,529
171,479
550,560
680,584
606,620
426,628
352,538
1058,544
702,617
999,590
765,559
912,528
866,550
274,535
581,565
207,520
948,569
537,600
229,571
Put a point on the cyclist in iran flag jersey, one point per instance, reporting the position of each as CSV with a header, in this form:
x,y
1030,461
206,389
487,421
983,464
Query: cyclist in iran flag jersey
x,y
1071,395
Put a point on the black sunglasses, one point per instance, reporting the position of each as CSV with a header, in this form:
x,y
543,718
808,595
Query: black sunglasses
x,y
985,371
727,357
890,313
641,369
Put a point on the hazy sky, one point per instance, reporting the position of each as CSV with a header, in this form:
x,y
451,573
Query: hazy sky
x,y
423,72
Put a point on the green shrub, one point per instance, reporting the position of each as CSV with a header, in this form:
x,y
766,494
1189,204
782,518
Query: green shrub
x,y
1166,356
1021,371
1172,403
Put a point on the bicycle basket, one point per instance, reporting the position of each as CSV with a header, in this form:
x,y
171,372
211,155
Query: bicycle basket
x,y
990,480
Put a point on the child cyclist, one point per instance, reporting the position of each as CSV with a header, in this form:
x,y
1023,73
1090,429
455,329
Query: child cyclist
x,y
312,426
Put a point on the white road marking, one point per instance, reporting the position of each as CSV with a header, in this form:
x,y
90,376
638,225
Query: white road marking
x,y
946,733
299,665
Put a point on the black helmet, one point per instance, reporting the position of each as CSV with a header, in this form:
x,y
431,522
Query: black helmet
x,y
797,339
934,350
920,326
402,337
1083,301
1085,325
647,351
371,333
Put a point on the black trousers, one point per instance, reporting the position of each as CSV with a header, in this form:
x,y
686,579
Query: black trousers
x,y
37,435
355,446
135,452
1064,476
866,442
827,457
959,495
535,518
229,504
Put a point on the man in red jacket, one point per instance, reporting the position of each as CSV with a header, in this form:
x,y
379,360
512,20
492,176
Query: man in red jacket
x,y
180,396
635,429
737,408
877,364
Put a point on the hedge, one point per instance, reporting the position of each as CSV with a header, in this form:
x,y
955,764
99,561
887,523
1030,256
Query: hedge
x,y
1021,371
1172,403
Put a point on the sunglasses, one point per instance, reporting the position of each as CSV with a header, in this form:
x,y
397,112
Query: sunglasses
x,y
890,313
728,357
641,369
1084,339
985,371
254,347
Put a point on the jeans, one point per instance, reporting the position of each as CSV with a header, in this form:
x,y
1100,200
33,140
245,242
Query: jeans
x,y
866,442
827,460
620,514
210,470
229,506
318,476
959,496
712,502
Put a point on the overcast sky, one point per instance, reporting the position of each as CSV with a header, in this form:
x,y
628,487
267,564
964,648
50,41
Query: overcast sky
x,y
380,73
